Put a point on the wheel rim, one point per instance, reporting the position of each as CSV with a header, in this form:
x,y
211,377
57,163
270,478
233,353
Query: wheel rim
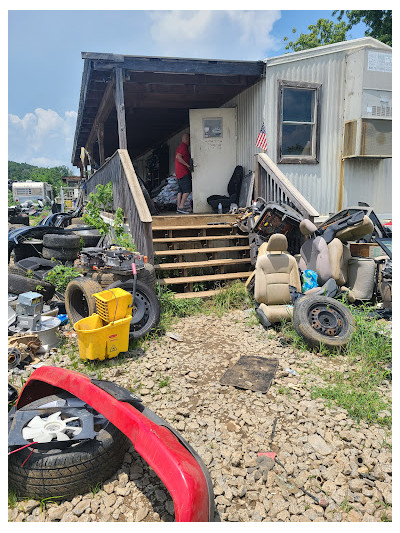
x,y
142,314
326,320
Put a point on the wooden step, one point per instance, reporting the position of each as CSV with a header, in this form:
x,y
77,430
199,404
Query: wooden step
x,y
202,250
193,226
189,220
207,277
197,239
198,294
201,264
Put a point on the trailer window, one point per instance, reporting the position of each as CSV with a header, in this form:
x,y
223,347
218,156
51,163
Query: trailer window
x,y
298,122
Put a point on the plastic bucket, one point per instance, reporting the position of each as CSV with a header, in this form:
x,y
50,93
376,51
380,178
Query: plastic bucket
x,y
97,340
113,304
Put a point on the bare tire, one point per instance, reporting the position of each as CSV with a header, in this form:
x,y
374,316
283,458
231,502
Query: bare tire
x,y
19,284
323,320
147,315
79,300
66,469
66,242
147,275
62,254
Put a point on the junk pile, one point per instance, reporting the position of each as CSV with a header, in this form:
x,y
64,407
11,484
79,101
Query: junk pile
x,y
57,443
326,264
29,319
166,197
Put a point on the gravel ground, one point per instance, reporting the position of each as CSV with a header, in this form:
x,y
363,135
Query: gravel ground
x,y
322,448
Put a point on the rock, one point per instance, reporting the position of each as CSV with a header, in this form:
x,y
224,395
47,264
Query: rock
x,y
109,500
81,507
356,485
141,514
319,445
169,505
28,506
354,516
56,513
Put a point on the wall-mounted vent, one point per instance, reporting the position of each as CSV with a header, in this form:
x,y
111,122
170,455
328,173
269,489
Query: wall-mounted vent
x,y
381,111
367,138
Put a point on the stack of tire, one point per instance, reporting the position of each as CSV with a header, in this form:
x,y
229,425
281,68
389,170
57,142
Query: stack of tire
x,y
61,247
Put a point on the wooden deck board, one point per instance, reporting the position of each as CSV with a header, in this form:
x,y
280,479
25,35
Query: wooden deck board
x,y
207,277
201,264
201,250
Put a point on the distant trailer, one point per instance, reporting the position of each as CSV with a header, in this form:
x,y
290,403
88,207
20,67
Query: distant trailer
x,y
33,191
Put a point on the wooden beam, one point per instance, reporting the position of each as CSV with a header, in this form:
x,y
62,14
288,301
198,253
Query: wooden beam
x,y
120,106
100,140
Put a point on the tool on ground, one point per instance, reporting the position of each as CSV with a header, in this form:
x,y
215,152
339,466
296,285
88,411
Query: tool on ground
x,y
272,455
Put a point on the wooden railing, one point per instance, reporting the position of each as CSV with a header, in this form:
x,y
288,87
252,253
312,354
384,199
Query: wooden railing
x,y
272,185
128,195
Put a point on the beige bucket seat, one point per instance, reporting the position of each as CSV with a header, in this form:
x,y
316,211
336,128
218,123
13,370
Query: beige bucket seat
x,y
275,271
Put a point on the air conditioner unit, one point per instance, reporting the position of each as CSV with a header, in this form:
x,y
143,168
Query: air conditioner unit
x,y
367,137
368,104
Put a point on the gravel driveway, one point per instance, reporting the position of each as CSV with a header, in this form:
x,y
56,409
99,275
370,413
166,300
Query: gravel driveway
x,y
346,465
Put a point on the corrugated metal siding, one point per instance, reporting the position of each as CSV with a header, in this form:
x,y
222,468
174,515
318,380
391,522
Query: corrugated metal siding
x,y
369,180
317,183
250,115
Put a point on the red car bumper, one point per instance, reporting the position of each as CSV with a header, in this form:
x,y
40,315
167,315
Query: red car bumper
x,y
169,455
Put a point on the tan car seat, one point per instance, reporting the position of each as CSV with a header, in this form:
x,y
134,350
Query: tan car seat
x,y
275,271
314,253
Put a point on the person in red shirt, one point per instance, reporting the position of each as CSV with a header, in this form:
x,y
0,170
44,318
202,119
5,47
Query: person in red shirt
x,y
183,173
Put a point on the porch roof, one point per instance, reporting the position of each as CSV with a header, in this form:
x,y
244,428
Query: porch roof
x,y
158,93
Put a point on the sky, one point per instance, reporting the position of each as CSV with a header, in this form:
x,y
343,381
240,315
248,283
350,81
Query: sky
x,y
45,65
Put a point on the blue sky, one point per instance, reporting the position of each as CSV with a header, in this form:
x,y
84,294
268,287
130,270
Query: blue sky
x,y
45,65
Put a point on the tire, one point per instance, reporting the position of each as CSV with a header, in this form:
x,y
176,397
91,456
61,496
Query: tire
x,y
79,300
19,284
147,275
333,328
71,470
147,301
90,238
62,254
65,242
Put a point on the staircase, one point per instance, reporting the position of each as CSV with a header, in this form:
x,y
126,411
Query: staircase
x,y
194,255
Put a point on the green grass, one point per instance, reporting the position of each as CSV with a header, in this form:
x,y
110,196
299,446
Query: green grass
x,y
12,499
366,357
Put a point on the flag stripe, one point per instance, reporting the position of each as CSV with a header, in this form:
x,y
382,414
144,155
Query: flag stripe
x,y
261,141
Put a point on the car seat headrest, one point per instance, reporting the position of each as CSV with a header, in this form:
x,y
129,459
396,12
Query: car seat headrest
x,y
277,243
354,233
307,227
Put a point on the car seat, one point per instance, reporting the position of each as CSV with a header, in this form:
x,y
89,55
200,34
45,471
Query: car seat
x,y
355,275
233,191
275,271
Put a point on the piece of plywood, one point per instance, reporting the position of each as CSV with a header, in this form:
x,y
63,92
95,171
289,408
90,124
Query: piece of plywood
x,y
251,372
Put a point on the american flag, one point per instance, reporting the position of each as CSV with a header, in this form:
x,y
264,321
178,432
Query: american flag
x,y
261,141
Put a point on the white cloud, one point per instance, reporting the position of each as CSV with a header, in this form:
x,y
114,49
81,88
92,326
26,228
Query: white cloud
x,y
214,34
42,138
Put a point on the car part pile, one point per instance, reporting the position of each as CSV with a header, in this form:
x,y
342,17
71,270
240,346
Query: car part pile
x,y
84,426
113,267
29,319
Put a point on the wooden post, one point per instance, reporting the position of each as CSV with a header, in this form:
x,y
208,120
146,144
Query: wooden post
x,y
100,140
120,106
256,177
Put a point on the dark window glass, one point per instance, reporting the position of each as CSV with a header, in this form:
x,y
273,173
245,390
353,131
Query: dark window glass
x,y
296,139
298,105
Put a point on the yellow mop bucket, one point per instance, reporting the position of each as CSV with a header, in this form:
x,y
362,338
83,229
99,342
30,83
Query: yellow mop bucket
x,y
97,340
113,304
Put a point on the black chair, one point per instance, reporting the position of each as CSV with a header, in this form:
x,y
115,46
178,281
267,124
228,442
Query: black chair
x,y
233,191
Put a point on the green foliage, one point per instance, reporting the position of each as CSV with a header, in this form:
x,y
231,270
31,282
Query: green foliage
x,y
378,22
24,172
367,357
121,237
102,200
61,275
325,31
98,201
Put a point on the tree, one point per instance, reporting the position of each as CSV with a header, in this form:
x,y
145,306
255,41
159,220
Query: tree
x,y
379,23
325,31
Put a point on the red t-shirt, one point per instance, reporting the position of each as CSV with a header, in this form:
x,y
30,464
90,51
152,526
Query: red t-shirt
x,y
181,170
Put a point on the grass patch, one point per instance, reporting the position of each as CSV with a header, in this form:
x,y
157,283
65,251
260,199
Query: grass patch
x,y
367,358
12,499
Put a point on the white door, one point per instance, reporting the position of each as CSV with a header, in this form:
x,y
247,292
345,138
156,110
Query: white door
x,y
213,150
